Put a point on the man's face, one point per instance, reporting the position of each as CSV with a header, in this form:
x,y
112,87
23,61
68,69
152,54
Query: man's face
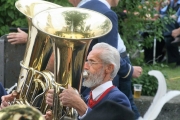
x,y
95,70
93,79
113,3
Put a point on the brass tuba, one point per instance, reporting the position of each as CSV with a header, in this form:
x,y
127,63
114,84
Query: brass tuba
x,y
71,31
33,81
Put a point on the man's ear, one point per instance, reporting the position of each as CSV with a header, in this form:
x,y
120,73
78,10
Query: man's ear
x,y
109,68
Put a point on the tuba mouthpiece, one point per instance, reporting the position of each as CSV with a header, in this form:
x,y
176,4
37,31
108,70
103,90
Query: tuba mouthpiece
x,y
85,74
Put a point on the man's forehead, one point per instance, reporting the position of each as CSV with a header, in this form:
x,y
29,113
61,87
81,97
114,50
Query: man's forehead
x,y
94,54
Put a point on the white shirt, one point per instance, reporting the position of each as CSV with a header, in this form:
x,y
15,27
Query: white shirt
x,y
97,92
121,47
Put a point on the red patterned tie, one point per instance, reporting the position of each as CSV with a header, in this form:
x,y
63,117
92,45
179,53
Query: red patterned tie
x,y
90,101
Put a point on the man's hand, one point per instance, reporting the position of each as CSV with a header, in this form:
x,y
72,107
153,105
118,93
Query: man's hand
x,y
70,98
17,38
137,71
6,99
49,97
50,65
175,32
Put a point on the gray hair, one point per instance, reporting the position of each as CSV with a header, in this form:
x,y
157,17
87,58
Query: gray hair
x,y
110,55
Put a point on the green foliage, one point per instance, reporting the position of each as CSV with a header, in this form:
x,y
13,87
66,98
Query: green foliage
x,y
137,21
149,83
131,28
11,17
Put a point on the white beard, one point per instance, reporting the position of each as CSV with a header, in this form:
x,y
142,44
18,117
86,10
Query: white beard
x,y
93,79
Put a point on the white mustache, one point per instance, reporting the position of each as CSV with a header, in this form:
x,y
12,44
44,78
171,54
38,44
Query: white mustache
x,y
85,74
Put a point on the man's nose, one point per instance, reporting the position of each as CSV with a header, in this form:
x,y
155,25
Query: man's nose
x,y
86,66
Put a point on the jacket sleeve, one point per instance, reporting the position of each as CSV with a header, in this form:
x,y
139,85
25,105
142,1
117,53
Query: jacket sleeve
x,y
87,111
2,91
126,70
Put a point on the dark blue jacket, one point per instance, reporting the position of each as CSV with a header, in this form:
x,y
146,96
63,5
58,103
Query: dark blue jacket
x,y
2,91
114,95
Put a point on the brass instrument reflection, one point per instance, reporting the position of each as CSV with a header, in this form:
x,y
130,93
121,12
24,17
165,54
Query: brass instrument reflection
x,y
20,112
34,80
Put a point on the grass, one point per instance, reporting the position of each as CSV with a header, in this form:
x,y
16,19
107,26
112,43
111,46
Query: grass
x,y
172,75
170,72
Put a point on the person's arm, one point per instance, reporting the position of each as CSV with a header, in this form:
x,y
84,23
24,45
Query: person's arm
x,y
19,37
176,32
120,98
3,91
50,64
160,4
137,71
70,98
163,9
178,16
126,70
6,99
111,38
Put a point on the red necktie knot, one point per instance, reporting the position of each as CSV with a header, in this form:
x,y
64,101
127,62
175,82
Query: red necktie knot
x,y
90,101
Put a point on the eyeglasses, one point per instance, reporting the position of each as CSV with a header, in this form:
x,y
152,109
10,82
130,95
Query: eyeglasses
x,y
90,63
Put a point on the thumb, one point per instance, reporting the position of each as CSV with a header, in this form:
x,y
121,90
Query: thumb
x,y
19,30
74,89
69,87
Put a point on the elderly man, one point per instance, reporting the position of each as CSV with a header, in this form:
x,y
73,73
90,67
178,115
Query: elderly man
x,y
102,66
126,71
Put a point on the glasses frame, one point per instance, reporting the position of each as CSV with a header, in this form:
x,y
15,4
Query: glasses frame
x,y
90,63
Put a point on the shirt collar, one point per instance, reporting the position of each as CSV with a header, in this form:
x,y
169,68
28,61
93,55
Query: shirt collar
x,y
100,89
85,1
82,2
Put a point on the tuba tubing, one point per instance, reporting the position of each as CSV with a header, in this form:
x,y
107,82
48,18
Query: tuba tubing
x,y
38,47
34,80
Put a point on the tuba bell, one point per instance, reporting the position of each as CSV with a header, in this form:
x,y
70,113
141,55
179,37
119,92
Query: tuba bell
x,y
20,112
34,80
71,31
